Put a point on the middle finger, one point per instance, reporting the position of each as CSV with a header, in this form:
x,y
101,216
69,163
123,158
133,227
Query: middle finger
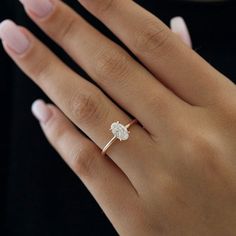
x,y
124,79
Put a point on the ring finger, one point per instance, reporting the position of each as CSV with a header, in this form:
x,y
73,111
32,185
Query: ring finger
x,y
80,100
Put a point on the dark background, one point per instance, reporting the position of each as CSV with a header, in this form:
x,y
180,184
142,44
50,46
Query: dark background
x,y
39,195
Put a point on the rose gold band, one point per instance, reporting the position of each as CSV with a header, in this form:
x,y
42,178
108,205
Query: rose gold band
x,y
104,150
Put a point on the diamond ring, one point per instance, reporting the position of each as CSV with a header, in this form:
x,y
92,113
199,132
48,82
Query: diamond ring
x,y
120,132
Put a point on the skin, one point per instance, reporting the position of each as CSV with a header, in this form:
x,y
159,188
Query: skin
x,y
176,173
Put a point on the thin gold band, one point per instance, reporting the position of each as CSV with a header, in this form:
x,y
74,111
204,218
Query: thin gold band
x,y
104,150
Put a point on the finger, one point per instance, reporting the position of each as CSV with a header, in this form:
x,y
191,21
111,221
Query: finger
x,y
178,26
175,65
85,160
125,80
81,101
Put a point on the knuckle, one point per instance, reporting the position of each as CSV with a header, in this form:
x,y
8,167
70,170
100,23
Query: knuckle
x,y
151,38
104,6
203,149
111,62
55,129
38,68
66,30
83,160
87,108
198,144
158,104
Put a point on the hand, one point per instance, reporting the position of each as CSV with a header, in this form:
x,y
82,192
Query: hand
x,y
175,175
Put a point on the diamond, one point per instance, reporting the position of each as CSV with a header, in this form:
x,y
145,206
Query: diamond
x,y
119,131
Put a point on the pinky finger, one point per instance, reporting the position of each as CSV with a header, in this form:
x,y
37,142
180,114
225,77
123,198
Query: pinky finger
x,y
106,182
178,26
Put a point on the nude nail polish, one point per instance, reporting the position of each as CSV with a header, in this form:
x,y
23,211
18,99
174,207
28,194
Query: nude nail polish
x,y
179,26
13,37
41,111
41,8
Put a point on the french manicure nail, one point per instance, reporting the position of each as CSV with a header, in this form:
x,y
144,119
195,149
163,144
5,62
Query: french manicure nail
x,y
11,34
41,8
41,111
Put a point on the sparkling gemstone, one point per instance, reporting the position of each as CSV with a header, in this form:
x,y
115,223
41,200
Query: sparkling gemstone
x,y
119,131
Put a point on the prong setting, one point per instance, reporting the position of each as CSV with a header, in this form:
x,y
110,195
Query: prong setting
x,y
119,131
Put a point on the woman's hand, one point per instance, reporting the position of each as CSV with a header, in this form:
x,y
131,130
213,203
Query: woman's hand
x,y
175,175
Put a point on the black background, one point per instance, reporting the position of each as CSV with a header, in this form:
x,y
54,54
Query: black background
x,y
39,195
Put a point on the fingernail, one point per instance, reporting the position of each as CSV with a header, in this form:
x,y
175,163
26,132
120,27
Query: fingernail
x,y
41,8
11,34
179,26
41,111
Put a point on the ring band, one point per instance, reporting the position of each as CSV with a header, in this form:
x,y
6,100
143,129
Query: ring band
x,y
120,132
